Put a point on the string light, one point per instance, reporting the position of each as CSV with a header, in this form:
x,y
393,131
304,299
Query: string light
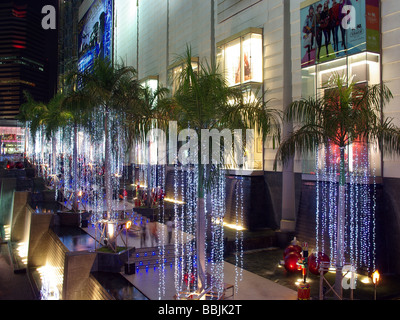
x,y
360,206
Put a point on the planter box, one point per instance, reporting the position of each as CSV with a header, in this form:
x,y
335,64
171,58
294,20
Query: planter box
x,y
130,268
111,262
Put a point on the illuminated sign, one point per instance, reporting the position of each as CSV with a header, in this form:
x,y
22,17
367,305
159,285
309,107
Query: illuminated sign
x,y
337,28
95,33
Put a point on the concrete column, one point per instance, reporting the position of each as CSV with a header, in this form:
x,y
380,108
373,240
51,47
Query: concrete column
x,y
288,220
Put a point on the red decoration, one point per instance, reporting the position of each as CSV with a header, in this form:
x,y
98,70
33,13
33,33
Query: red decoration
x,y
10,165
314,261
291,261
292,248
189,278
303,292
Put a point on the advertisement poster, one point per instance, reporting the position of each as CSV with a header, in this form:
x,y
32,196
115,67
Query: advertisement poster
x,y
336,28
95,33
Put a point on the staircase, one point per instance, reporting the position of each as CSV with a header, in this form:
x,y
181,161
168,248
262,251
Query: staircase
x,y
146,258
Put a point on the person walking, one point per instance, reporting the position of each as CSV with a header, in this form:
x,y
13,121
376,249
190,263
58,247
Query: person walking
x,y
143,234
153,232
170,226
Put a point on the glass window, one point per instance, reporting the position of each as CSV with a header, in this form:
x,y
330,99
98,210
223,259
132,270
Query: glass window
x,y
241,59
308,82
232,62
150,82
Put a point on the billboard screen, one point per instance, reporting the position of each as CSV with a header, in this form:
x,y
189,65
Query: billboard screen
x,y
95,33
336,28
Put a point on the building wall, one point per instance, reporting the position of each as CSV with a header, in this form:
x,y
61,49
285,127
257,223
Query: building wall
x,y
125,32
68,38
390,12
166,28
152,39
151,35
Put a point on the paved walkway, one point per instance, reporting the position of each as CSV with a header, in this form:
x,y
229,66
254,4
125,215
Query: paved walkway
x,y
252,287
13,286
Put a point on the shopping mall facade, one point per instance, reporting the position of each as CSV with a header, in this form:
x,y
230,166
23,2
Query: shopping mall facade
x,y
273,46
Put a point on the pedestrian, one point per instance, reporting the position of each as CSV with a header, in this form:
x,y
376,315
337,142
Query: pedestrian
x,y
143,234
170,226
153,232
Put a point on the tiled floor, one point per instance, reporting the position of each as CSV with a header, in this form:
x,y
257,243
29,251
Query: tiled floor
x,y
252,287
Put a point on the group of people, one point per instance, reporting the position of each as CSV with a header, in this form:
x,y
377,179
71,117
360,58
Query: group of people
x,y
152,229
324,21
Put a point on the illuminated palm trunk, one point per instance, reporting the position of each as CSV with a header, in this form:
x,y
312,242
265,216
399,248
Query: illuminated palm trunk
x,y
54,153
75,204
107,167
340,224
107,184
201,234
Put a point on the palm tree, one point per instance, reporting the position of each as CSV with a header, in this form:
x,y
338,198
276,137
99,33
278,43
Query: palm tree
x,y
100,91
203,100
144,111
50,117
345,113
31,113
77,107
55,117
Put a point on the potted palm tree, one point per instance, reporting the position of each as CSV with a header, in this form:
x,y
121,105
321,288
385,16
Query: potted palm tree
x,y
99,92
144,111
344,113
51,117
203,100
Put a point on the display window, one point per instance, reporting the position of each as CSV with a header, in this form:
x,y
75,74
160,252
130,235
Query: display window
x,y
241,58
150,82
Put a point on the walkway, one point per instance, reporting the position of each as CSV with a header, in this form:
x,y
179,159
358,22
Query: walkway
x,y
13,286
252,287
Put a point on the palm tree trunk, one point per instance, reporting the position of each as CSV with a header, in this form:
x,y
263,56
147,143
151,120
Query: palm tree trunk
x,y
201,233
107,167
340,225
107,182
54,153
148,200
75,207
